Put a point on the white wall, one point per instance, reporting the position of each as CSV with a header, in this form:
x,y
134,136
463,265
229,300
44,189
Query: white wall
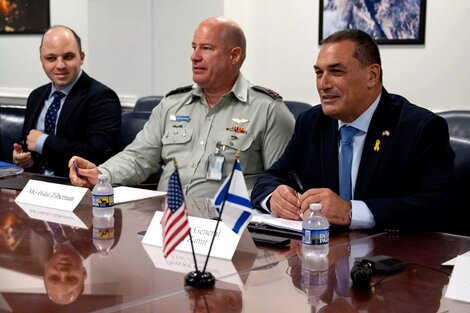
x,y
142,47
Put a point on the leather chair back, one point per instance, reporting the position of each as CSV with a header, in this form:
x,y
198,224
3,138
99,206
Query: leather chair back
x,y
458,122
461,148
146,104
297,107
132,124
11,125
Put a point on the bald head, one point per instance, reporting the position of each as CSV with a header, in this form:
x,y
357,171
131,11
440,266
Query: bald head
x,y
65,31
61,55
230,32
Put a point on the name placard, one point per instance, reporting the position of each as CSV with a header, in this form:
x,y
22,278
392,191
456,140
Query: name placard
x,y
50,195
202,230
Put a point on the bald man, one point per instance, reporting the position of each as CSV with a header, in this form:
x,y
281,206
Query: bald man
x,y
72,115
203,125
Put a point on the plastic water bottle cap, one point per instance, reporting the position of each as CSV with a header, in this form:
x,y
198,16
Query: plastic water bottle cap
x,y
315,206
103,177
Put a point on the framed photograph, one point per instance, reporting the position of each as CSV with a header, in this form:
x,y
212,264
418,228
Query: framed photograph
x,y
387,21
24,16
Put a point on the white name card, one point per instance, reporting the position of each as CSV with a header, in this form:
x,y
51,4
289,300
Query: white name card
x,y
50,195
202,230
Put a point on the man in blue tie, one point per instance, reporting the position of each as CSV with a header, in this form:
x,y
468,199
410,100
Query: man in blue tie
x,y
372,159
73,115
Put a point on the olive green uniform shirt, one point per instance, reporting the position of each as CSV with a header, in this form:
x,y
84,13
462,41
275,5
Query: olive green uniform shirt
x,y
183,126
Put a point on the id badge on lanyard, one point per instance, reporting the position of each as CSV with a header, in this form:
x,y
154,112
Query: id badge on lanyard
x,y
215,163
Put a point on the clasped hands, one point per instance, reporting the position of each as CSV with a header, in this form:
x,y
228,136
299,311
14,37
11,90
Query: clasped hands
x,y
24,158
287,203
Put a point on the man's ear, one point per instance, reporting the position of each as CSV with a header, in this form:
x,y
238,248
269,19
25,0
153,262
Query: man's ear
x,y
235,55
374,75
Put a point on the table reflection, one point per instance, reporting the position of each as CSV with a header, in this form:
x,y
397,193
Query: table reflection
x,y
53,251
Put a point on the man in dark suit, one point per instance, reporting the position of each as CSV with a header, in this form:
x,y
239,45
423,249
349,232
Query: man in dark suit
x,y
83,119
401,174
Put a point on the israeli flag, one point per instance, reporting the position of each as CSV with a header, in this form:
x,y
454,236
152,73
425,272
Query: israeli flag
x,y
237,209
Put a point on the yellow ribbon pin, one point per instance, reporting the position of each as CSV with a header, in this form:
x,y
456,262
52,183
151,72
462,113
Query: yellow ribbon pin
x,y
377,145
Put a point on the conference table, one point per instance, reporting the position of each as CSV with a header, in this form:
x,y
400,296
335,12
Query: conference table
x,y
133,277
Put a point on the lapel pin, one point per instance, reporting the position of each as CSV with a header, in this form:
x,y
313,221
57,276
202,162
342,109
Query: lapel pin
x,y
377,145
386,133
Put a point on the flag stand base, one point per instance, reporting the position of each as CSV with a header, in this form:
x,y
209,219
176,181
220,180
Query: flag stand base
x,y
198,279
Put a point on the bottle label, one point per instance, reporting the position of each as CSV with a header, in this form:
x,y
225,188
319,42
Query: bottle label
x,y
104,201
105,233
315,236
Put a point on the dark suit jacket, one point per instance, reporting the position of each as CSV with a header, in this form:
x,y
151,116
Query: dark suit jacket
x,y
410,183
88,126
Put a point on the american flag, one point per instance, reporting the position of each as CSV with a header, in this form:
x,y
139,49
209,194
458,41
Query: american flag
x,y
174,221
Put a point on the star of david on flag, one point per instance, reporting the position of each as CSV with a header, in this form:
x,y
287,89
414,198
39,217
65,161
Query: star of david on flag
x,y
174,222
236,212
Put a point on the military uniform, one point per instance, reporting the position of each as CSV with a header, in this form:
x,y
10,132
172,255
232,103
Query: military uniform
x,y
252,119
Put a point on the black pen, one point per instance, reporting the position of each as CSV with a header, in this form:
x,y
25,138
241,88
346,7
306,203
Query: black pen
x,y
296,181
300,189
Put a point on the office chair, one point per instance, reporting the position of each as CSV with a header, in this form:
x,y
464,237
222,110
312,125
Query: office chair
x,y
11,124
132,124
461,148
297,107
146,104
458,122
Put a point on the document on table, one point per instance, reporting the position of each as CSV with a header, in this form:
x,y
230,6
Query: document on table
x,y
459,283
268,219
451,262
126,194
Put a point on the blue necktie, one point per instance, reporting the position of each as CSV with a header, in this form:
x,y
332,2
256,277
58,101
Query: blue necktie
x,y
346,135
51,114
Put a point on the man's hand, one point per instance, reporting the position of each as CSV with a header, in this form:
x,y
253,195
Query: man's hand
x,y
335,209
88,172
21,158
285,203
32,138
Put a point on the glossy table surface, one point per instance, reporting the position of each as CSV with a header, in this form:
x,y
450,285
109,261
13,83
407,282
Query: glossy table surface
x,y
131,277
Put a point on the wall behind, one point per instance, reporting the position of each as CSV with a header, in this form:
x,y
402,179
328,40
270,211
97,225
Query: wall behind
x,y
142,47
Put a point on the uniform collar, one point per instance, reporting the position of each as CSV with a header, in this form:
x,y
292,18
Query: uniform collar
x,y
239,90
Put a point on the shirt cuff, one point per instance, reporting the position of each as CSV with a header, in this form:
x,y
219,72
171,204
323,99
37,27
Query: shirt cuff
x,y
40,143
264,204
362,217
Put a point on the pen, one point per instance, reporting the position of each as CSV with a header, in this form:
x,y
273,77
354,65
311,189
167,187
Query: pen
x,y
296,181
300,189
75,167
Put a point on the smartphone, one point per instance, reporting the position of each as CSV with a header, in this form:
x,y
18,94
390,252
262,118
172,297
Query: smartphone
x,y
270,240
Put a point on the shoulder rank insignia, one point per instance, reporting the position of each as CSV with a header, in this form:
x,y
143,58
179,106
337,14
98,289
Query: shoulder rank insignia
x,y
267,91
180,90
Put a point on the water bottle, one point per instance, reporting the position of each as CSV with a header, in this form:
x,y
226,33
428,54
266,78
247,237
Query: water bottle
x,y
103,234
314,278
103,197
315,233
